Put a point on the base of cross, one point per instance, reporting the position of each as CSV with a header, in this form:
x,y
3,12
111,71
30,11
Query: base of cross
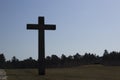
x,y
41,68
43,73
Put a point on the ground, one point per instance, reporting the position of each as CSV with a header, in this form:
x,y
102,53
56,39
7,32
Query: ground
x,y
86,72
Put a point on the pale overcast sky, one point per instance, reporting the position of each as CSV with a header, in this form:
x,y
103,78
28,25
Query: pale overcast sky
x,y
82,26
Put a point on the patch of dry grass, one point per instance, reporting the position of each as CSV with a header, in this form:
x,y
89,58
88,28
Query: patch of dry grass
x,y
88,72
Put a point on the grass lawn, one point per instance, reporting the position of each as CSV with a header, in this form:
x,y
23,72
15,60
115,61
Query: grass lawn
x,y
87,72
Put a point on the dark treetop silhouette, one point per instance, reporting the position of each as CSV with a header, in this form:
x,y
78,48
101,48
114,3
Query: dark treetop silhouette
x,y
41,41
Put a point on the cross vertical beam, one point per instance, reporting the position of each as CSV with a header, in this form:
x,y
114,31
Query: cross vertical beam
x,y
41,27
41,46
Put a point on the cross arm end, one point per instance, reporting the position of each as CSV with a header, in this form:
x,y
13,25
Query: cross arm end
x,y
32,26
50,27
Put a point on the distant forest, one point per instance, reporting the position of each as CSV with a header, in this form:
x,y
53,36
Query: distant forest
x,y
53,61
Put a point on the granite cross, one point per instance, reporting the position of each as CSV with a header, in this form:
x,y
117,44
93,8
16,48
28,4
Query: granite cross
x,y
41,27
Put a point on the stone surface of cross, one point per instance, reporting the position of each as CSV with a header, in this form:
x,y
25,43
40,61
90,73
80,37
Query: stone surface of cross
x,y
41,27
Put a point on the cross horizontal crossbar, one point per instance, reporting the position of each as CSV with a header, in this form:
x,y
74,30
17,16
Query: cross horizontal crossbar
x,y
45,27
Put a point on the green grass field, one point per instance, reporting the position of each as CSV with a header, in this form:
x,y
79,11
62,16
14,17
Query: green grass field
x,y
87,72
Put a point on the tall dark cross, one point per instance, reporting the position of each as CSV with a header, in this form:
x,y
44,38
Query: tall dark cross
x,y
41,27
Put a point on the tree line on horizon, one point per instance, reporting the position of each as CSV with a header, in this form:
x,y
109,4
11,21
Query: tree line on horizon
x,y
53,61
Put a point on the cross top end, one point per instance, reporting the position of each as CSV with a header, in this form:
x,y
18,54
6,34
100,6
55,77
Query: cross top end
x,y
41,20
